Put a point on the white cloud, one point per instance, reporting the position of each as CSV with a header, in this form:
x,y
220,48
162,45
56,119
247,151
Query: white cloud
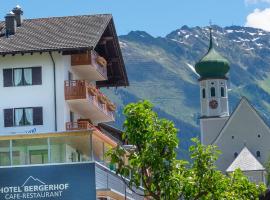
x,y
256,1
259,19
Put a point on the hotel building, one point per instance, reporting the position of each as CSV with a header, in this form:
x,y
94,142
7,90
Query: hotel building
x,y
53,136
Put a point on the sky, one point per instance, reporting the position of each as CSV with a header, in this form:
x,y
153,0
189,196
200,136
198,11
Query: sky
x,y
157,17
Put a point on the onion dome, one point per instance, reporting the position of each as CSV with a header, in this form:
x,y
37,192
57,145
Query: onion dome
x,y
212,65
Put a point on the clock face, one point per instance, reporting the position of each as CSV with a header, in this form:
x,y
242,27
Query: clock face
x,y
213,104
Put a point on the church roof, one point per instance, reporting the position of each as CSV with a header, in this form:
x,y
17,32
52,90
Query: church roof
x,y
212,65
245,161
243,104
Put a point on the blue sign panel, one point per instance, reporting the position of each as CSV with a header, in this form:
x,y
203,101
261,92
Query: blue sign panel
x,y
48,182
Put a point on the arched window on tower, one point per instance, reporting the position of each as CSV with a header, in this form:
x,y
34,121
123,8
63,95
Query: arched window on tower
x,y
222,92
258,154
203,93
213,92
235,154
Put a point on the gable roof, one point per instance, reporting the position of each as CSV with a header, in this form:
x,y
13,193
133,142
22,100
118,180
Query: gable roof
x,y
243,101
54,34
71,34
112,131
246,162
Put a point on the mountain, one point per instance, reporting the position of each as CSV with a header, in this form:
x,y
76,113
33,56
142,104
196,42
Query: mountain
x,y
161,69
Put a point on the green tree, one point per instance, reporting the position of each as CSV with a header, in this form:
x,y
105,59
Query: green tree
x,y
152,161
267,167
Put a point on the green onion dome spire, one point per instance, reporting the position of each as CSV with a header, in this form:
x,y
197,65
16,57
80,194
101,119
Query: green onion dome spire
x,y
212,65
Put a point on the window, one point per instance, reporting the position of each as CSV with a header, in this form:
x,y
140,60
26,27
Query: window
x,y
213,92
4,158
22,76
235,154
258,154
259,135
38,156
232,137
222,92
203,93
23,116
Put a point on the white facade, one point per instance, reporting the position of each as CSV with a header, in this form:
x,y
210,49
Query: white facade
x,y
244,128
38,95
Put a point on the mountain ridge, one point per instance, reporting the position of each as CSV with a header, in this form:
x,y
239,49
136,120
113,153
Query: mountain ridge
x,y
161,69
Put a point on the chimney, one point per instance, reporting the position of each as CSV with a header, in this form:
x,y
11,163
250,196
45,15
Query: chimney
x,y
18,15
10,23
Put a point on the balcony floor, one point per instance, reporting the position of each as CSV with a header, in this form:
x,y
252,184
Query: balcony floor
x,y
89,72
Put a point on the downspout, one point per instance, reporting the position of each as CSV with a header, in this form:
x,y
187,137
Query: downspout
x,y
54,88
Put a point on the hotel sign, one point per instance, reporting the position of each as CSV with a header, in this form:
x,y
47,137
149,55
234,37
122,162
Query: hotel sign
x,y
58,182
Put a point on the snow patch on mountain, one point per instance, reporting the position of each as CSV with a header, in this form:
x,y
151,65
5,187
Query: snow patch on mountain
x,y
252,34
123,44
192,69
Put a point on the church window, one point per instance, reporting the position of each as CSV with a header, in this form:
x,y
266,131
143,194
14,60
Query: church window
x,y
213,92
258,153
235,154
222,92
212,83
259,135
203,93
232,137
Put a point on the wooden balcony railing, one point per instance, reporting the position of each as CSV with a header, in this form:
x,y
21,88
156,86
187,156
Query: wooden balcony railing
x,y
75,89
80,89
81,125
90,58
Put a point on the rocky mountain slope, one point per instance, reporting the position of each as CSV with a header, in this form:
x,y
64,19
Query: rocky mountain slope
x,y
161,69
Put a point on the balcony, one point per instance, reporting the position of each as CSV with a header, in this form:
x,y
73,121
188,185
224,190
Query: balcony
x,y
110,185
87,100
78,126
89,66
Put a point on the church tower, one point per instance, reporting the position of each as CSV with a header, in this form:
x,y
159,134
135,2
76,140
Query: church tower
x,y
212,69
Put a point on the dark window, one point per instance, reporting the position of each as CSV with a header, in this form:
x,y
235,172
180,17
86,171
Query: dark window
x,y
259,135
235,154
258,153
222,92
232,137
23,116
71,116
213,92
203,93
22,76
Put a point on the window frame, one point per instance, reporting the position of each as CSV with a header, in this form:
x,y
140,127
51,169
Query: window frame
x,y
23,78
24,83
24,118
